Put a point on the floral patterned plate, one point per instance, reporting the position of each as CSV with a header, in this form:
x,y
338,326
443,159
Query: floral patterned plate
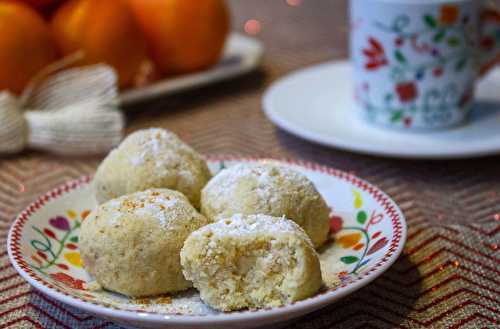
x,y
368,233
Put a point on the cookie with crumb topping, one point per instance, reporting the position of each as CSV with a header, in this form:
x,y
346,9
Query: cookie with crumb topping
x,y
267,188
253,261
131,244
151,158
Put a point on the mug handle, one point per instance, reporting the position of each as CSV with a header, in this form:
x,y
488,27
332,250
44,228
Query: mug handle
x,y
489,42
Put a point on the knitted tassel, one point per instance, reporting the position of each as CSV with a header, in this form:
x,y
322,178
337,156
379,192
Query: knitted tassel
x,y
73,112
13,132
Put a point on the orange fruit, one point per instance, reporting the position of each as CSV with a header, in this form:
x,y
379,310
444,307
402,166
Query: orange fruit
x,y
105,31
25,45
44,7
39,3
183,35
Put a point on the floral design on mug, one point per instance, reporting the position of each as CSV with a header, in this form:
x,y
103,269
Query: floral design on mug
x,y
445,43
375,54
407,91
449,14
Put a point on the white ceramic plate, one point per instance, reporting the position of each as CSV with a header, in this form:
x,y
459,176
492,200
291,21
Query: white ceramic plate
x,y
241,55
317,104
368,227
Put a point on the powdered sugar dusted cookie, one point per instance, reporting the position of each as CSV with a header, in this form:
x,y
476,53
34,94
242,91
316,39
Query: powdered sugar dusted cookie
x,y
153,158
270,189
252,261
131,244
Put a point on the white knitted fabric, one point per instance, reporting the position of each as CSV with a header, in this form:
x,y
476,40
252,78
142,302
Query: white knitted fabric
x,y
74,112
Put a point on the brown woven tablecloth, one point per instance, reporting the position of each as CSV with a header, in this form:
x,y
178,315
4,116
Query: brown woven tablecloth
x,y
449,274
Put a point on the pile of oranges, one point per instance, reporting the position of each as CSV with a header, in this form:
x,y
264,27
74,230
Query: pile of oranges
x,y
170,36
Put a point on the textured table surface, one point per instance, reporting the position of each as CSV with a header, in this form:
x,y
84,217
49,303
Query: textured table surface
x,y
449,274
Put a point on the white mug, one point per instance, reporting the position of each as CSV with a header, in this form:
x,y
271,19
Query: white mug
x,y
416,62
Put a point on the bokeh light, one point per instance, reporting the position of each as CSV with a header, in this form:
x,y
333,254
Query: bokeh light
x,y
294,3
253,27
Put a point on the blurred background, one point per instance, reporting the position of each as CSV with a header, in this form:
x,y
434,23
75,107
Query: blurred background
x,y
227,118
295,34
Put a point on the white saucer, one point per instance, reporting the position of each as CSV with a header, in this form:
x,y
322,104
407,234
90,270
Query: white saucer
x,y
317,104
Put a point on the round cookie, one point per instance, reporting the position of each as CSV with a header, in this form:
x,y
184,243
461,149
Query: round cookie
x,y
152,158
251,261
271,189
131,244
